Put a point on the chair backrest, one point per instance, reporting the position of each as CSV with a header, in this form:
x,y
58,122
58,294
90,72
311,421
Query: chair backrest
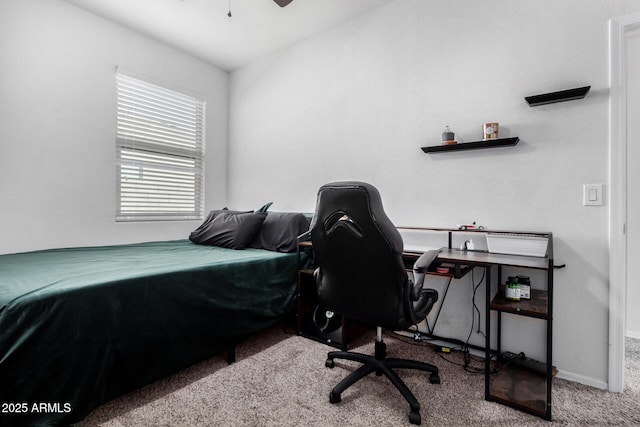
x,y
358,251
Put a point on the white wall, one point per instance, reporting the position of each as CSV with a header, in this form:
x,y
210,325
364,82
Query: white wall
x,y
356,102
359,101
57,125
633,184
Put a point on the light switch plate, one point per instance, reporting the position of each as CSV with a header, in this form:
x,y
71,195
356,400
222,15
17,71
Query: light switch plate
x,y
592,195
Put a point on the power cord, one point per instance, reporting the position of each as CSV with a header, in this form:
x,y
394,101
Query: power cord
x,y
435,321
474,309
420,339
468,358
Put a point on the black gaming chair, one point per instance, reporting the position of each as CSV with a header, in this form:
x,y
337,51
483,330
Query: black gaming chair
x,y
361,275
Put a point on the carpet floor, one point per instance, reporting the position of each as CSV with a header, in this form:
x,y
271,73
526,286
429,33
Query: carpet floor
x,y
280,379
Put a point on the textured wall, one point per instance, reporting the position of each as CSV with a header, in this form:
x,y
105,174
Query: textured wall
x,y
57,125
359,101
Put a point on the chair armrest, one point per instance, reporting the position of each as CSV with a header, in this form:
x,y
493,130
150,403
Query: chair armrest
x,y
425,261
419,271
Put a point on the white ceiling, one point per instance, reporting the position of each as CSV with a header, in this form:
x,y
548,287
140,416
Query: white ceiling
x,y
203,29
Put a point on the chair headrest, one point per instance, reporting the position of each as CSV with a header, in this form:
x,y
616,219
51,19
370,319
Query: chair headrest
x,y
354,207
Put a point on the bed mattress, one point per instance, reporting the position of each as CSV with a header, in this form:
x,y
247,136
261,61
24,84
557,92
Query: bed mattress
x,y
80,326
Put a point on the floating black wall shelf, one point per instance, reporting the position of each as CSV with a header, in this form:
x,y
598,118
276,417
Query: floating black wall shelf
x,y
489,143
560,96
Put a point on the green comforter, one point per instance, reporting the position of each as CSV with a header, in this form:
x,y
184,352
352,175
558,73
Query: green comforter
x,y
81,326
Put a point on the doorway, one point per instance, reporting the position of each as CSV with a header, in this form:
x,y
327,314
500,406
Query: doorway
x,y
633,181
623,42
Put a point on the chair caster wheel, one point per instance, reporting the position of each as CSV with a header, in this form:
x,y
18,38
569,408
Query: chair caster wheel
x,y
335,397
415,418
434,378
329,363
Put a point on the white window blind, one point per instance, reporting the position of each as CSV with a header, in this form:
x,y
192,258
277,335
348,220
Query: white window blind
x,y
160,150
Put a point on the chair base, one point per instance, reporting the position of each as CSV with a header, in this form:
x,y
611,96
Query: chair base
x,y
381,365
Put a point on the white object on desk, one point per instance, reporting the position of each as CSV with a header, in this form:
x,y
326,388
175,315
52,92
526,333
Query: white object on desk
x,y
517,244
467,245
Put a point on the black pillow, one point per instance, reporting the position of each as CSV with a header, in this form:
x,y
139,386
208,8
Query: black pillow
x,y
280,231
265,207
229,229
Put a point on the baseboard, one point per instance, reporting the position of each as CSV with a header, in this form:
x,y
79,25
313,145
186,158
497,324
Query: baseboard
x,y
592,382
633,334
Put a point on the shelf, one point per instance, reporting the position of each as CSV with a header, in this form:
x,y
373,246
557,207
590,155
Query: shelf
x,y
560,96
534,307
489,143
520,388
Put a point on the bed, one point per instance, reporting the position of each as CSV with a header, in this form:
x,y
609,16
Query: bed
x,y
80,326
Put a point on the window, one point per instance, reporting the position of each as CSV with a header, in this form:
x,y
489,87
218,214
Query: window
x,y
160,149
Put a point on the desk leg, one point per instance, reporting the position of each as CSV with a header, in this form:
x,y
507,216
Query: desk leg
x,y
487,343
499,314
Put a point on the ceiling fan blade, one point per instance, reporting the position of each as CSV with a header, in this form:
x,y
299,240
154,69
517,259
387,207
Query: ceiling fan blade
x,y
282,3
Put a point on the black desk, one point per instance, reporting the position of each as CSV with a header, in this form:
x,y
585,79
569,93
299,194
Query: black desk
x,y
537,398
460,262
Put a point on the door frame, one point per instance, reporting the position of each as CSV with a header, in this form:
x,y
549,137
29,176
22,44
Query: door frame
x,y
618,29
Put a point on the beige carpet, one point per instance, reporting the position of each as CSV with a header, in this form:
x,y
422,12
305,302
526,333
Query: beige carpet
x,y
280,380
